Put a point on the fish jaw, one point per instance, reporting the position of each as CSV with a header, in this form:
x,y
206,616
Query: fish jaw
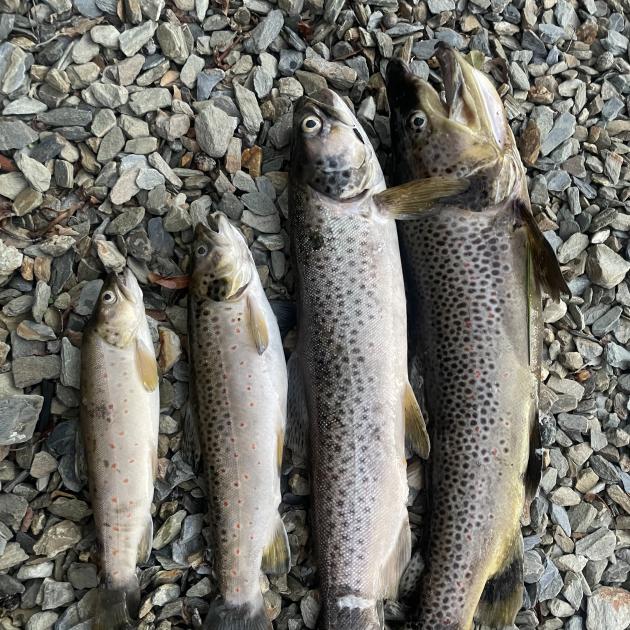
x,y
331,152
223,266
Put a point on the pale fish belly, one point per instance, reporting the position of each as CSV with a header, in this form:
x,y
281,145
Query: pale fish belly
x,y
241,401
470,327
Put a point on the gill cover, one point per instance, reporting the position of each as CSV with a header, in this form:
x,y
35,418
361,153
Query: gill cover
x,y
223,265
334,155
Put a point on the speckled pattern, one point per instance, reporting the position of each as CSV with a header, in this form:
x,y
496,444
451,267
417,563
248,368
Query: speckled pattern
x,y
472,333
352,352
240,398
119,423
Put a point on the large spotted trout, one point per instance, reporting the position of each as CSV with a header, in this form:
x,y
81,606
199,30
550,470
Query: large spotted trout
x,y
239,392
348,375
476,263
120,410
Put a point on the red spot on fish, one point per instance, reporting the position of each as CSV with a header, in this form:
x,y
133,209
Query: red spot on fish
x,y
238,526
494,451
114,466
468,324
236,484
125,480
114,500
131,461
253,447
242,425
112,445
251,404
246,477
238,331
237,552
240,501
226,503
237,589
121,433
234,573
477,374
110,406
114,552
116,529
234,347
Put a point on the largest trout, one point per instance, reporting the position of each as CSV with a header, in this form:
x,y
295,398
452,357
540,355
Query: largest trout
x,y
120,411
348,375
476,264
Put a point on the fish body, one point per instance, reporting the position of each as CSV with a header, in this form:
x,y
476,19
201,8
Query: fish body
x,y
476,331
119,425
349,370
239,393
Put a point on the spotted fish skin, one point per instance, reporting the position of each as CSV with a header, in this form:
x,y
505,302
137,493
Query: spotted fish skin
x,y
476,331
240,398
351,357
119,426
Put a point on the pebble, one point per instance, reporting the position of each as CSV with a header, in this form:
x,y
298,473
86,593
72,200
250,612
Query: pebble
x,y
214,129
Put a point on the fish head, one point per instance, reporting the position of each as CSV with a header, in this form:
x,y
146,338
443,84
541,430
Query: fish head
x,y
464,134
223,266
119,309
331,152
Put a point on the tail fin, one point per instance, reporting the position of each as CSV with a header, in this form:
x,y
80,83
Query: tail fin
x,y
352,612
114,609
249,616
502,596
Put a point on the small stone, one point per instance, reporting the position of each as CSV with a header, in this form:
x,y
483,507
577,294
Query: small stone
x,y
110,256
170,349
572,247
15,135
169,530
58,538
193,66
597,546
606,268
608,608
56,594
125,187
563,129
12,510
173,42
32,370
149,100
111,145
42,621
265,32
43,464
10,258
250,111
214,129
20,414
148,179
132,40
337,74
105,35
35,173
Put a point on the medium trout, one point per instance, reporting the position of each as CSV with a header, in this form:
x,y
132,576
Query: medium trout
x,y
239,393
348,375
476,262
120,410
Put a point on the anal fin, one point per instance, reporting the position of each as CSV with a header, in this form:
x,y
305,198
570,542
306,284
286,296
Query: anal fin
x,y
396,562
502,596
277,554
415,427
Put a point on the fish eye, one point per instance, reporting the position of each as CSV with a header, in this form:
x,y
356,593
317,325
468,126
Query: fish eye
x,y
417,121
311,125
202,250
109,297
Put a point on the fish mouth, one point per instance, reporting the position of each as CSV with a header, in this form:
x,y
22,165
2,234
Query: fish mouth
x,y
122,283
329,103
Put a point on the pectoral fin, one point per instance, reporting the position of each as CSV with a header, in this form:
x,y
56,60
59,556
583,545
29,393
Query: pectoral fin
x,y
257,324
533,472
545,264
277,555
409,200
415,427
146,365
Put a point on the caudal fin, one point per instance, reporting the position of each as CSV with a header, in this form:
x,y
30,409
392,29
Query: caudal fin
x,y
249,616
502,596
115,609
352,612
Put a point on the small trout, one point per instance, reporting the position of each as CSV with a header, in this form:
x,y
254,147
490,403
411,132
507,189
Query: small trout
x,y
475,262
239,392
348,375
120,410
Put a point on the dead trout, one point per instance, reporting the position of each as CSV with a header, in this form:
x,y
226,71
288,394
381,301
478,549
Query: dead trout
x,y
348,375
120,410
476,262
239,391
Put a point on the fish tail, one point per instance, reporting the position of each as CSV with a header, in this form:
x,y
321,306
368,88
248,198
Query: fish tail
x,y
115,607
248,616
352,612
502,596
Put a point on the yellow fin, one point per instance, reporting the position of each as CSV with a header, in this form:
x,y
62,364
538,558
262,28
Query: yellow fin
x,y
545,264
408,200
395,563
146,543
277,555
415,427
146,365
280,449
257,325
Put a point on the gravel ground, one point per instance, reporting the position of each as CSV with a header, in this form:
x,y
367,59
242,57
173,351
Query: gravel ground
x,y
123,123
